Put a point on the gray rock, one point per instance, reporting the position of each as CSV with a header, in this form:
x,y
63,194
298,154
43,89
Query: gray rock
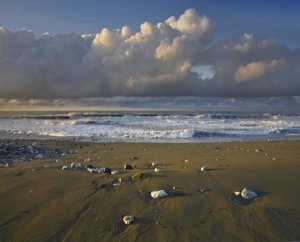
x,y
248,194
127,167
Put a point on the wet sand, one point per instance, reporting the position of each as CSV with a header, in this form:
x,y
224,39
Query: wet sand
x,y
41,203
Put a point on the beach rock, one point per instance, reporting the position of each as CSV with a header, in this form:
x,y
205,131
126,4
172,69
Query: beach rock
x,y
8,165
203,190
138,176
158,194
204,168
156,170
103,170
128,219
114,172
156,163
89,166
91,170
237,193
77,165
248,194
127,167
65,168
39,156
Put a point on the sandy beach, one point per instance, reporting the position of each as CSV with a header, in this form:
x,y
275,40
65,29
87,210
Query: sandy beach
x,y
41,202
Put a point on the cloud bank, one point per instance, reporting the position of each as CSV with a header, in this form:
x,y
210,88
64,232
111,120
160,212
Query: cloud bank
x,y
163,59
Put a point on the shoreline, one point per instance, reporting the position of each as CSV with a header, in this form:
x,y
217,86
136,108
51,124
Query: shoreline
x,y
4,135
43,203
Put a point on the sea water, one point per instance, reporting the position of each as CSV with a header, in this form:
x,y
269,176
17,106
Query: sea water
x,y
153,126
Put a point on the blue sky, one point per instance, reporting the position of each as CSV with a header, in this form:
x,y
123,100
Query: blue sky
x,y
279,19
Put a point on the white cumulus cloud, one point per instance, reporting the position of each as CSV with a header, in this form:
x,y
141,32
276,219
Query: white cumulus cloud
x,y
159,59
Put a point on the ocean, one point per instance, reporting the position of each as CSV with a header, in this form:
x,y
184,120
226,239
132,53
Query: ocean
x,y
151,126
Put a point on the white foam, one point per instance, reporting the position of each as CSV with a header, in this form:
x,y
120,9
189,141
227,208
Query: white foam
x,y
170,127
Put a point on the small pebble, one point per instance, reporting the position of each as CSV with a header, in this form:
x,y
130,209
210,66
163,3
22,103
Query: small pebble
x,y
204,168
128,219
203,190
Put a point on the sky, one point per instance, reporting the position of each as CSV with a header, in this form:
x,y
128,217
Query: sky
x,y
90,49
277,18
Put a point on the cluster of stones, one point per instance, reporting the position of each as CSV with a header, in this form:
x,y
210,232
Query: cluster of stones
x,y
15,152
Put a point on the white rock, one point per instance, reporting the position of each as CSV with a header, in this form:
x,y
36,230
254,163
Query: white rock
x,y
91,170
87,160
128,219
204,168
65,168
156,163
156,170
248,194
237,193
186,161
114,172
157,194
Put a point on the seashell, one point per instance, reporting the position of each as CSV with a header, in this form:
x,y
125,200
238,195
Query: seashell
x,y
128,219
157,194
